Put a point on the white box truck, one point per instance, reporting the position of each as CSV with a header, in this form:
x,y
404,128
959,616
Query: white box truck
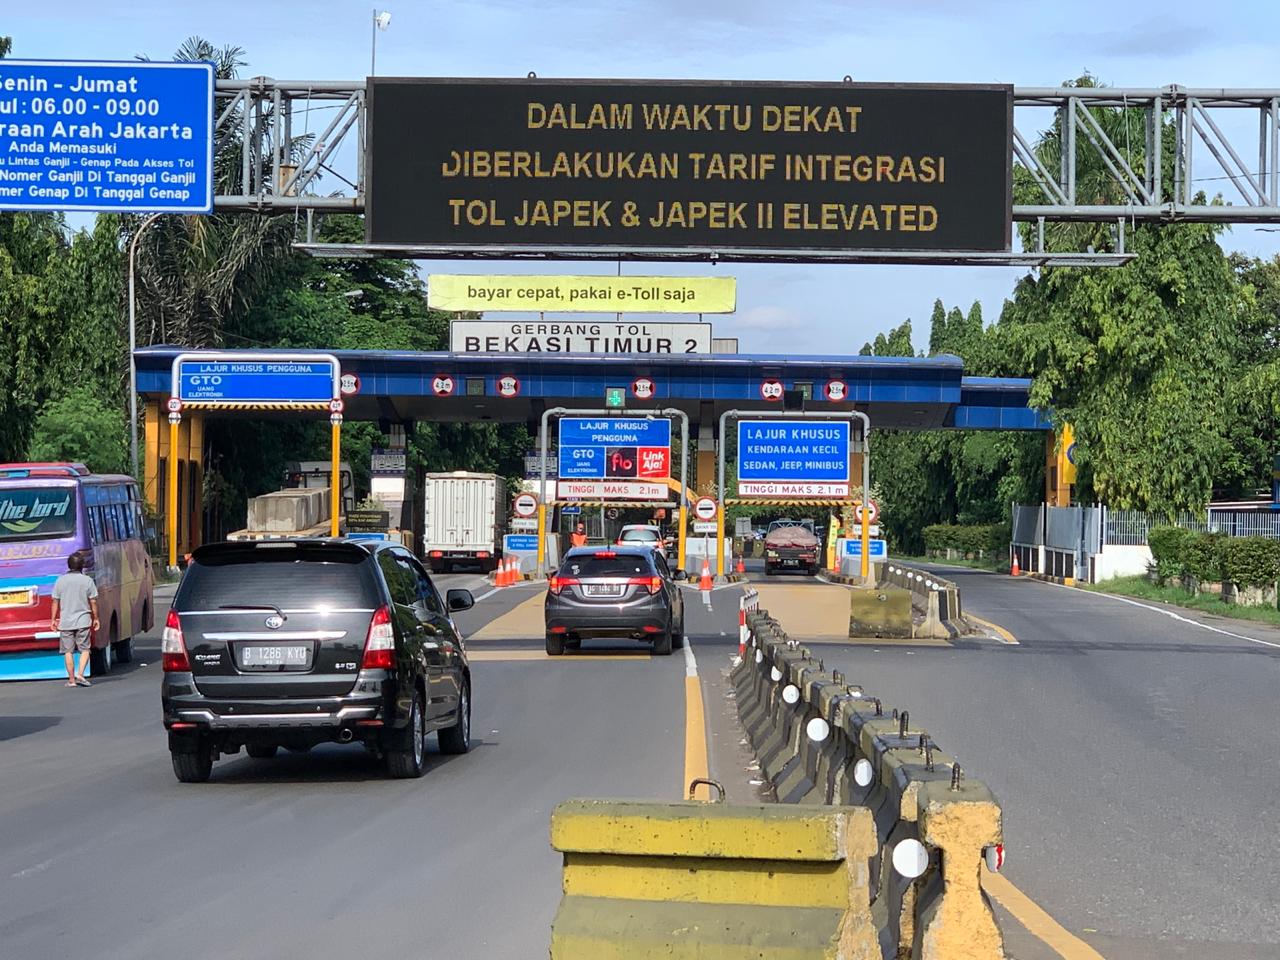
x,y
464,519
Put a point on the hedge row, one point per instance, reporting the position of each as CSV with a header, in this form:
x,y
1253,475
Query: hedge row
x,y
1244,561
990,538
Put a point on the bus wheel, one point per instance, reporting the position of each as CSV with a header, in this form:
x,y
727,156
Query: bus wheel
x,y
100,660
123,650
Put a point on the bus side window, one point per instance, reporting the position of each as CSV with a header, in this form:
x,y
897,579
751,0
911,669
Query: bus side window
x,y
95,523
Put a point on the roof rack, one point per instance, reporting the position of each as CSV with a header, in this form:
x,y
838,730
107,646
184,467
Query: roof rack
x,y
43,470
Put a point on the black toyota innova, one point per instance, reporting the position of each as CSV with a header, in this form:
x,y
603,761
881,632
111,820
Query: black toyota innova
x,y
291,643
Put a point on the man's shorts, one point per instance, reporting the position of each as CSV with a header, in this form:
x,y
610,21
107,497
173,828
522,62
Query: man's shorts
x,y
69,640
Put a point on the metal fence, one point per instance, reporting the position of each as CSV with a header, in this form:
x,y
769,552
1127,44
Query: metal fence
x,y
1028,526
1131,527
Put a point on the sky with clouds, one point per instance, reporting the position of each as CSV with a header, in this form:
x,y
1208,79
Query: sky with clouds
x,y
829,309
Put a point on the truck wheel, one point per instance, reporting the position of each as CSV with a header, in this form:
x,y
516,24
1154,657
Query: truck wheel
x,y
193,766
555,644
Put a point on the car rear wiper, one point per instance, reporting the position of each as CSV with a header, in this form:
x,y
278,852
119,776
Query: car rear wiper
x,y
255,606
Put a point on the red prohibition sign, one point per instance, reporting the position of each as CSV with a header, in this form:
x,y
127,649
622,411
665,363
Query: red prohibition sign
x,y
442,385
771,390
643,388
508,386
837,391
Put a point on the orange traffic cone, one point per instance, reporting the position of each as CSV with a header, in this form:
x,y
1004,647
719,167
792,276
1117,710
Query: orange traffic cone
x,y
500,578
705,582
741,567
516,575
1014,571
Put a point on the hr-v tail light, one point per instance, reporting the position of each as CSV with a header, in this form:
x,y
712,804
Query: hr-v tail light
x,y
173,650
380,645
652,584
557,583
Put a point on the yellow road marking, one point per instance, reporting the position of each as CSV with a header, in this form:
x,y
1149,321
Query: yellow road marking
x,y
1004,635
695,740
1032,916
525,621
499,656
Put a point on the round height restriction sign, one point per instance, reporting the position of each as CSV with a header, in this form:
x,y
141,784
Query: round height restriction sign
x,y
705,509
526,505
872,508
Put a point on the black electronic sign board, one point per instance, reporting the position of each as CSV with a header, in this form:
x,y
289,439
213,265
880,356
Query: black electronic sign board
x,y
648,164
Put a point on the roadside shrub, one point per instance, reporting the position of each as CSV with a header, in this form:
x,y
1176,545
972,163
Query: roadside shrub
x,y
1252,561
1169,547
988,538
1205,557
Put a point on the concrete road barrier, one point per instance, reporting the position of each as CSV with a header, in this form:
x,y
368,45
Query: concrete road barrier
x,y
939,598
883,611
835,744
709,880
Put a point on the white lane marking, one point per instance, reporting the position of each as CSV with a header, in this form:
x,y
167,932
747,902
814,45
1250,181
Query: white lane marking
x,y
1168,613
690,662
489,594
706,598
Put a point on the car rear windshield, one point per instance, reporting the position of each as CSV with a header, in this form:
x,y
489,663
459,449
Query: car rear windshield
x,y
588,567
303,578
647,536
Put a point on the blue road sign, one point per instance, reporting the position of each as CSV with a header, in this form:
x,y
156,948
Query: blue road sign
x,y
89,135
599,447
879,548
793,457
204,381
571,511
520,543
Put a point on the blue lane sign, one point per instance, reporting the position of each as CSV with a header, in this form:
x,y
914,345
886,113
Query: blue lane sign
x,y
607,447
779,458
520,543
101,136
205,381
571,511
879,550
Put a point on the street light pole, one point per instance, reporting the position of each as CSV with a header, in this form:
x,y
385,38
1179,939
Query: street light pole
x,y
133,345
380,22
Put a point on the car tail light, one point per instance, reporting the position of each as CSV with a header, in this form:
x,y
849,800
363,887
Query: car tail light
x,y
482,554
652,584
605,554
556,583
437,554
380,645
173,650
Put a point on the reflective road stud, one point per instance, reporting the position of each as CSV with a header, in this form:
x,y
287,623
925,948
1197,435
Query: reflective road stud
x,y
995,857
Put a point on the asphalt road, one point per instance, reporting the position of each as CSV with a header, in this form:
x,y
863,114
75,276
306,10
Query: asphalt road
x,y
1135,757
104,855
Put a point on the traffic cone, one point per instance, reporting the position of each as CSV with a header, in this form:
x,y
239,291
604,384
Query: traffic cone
x,y
516,575
705,582
741,567
1014,571
500,578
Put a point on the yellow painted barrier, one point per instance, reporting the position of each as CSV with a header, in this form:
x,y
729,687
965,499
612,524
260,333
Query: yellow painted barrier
x,y
710,880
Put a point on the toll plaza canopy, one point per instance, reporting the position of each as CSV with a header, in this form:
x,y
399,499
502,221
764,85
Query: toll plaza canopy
x,y
896,392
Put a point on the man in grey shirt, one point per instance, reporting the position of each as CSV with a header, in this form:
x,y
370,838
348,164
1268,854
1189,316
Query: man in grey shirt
x,y
75,610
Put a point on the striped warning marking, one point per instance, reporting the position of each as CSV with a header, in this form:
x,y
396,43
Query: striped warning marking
x,y
272,405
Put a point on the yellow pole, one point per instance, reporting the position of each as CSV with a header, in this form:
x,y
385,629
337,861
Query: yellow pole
x,y
680,537
866,537
335,479
172,507
542,535
720,541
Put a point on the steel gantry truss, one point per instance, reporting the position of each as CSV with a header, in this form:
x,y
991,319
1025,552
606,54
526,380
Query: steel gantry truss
x,y
1116,154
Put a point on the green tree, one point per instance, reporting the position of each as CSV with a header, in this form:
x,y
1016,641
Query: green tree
x,y
82,426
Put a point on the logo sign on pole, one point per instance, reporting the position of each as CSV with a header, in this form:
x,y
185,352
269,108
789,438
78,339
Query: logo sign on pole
x,y
508,386
765,166
525,505
349,384
873,509
455,292
837,391
878,548
175,418
643,388
335,418
706,508
793,458
442,385
255,379
771,390
102,136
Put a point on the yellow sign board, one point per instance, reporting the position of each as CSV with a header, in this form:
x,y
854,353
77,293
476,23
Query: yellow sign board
x,y
1067,455
583,294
